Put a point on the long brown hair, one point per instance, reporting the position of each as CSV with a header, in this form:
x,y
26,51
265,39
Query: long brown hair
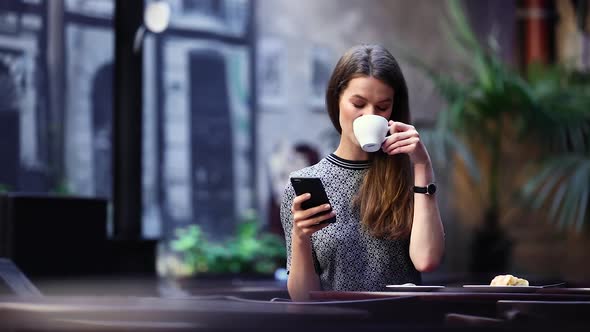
x,y
385,198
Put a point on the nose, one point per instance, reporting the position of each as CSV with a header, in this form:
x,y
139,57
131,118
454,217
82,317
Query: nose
x,y
372,110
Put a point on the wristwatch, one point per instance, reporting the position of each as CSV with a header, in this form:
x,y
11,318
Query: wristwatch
x,y
430,189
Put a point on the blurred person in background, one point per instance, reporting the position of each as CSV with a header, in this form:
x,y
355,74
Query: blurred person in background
x,y
284,160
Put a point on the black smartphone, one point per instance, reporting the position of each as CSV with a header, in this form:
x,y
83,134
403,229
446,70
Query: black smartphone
x,y
315,187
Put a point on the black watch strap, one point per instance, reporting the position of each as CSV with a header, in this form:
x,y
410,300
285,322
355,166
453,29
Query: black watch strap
x,y
430,189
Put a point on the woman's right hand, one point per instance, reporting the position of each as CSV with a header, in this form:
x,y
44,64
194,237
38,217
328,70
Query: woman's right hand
x,y
305,222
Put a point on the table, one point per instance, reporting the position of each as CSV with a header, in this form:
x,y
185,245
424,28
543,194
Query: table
x,y
455,294
205,313
342,311
562,308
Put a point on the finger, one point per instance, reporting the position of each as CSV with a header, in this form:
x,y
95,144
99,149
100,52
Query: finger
x,y
400,149
311,222
394,137
388,148
320,219
296,206
301,215
404,149
405,142
305,214
317,227
400,126
312,229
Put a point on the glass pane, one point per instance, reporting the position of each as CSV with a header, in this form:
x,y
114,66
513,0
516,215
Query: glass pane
x,y
24,144
89,98
197,160
227,17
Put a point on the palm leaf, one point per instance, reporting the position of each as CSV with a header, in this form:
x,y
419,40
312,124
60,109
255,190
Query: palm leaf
x,y
442,144
460,32
562,116
557,200
563,184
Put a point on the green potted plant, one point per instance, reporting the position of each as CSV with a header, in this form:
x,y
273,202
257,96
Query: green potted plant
x,y
250,251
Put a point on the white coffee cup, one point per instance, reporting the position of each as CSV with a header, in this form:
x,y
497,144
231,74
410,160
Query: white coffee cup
x,y
370,131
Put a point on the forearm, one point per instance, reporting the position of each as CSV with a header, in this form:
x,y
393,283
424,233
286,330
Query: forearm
x,y
427,237
302,275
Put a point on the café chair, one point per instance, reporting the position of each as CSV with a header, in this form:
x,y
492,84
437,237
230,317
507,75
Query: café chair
x,y
465,321
546,312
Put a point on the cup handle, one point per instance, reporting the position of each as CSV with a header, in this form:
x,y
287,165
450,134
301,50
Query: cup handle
x,y
386,136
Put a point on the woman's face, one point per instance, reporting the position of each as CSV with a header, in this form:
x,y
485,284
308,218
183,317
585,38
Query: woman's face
x,y
364,95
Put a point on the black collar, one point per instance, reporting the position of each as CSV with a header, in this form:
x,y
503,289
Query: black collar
x,y
350,164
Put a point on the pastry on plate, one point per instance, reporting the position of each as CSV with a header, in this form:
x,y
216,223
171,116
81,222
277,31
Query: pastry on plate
x,y
508,280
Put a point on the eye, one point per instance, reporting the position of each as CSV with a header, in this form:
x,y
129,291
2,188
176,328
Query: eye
x,y
382,108
358,105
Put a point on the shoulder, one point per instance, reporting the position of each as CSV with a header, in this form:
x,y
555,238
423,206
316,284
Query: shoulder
x,y
304,172
311,171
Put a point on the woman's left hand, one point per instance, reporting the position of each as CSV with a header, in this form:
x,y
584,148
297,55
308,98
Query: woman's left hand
x,y
404,138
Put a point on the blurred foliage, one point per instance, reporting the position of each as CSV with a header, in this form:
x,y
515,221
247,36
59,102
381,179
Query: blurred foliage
x,y
560,182
62,189
250,250
4,188
545,105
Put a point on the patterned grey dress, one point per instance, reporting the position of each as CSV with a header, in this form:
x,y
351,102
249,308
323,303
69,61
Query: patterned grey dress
x,y
346,257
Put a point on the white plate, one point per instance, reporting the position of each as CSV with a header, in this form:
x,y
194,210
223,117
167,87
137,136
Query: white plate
x,y
555,290
413,288
502,289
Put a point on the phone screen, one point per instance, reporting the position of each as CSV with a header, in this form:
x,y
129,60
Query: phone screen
x,y
314,186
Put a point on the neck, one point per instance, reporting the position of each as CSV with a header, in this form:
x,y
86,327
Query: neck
x,y
351,152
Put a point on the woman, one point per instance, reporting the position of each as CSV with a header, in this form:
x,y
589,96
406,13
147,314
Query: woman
x,y
386,232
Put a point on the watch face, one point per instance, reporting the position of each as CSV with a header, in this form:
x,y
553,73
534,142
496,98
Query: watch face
x,y
431,189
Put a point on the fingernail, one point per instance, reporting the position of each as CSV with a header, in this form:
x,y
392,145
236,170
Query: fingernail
x,y
326,206
307,195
